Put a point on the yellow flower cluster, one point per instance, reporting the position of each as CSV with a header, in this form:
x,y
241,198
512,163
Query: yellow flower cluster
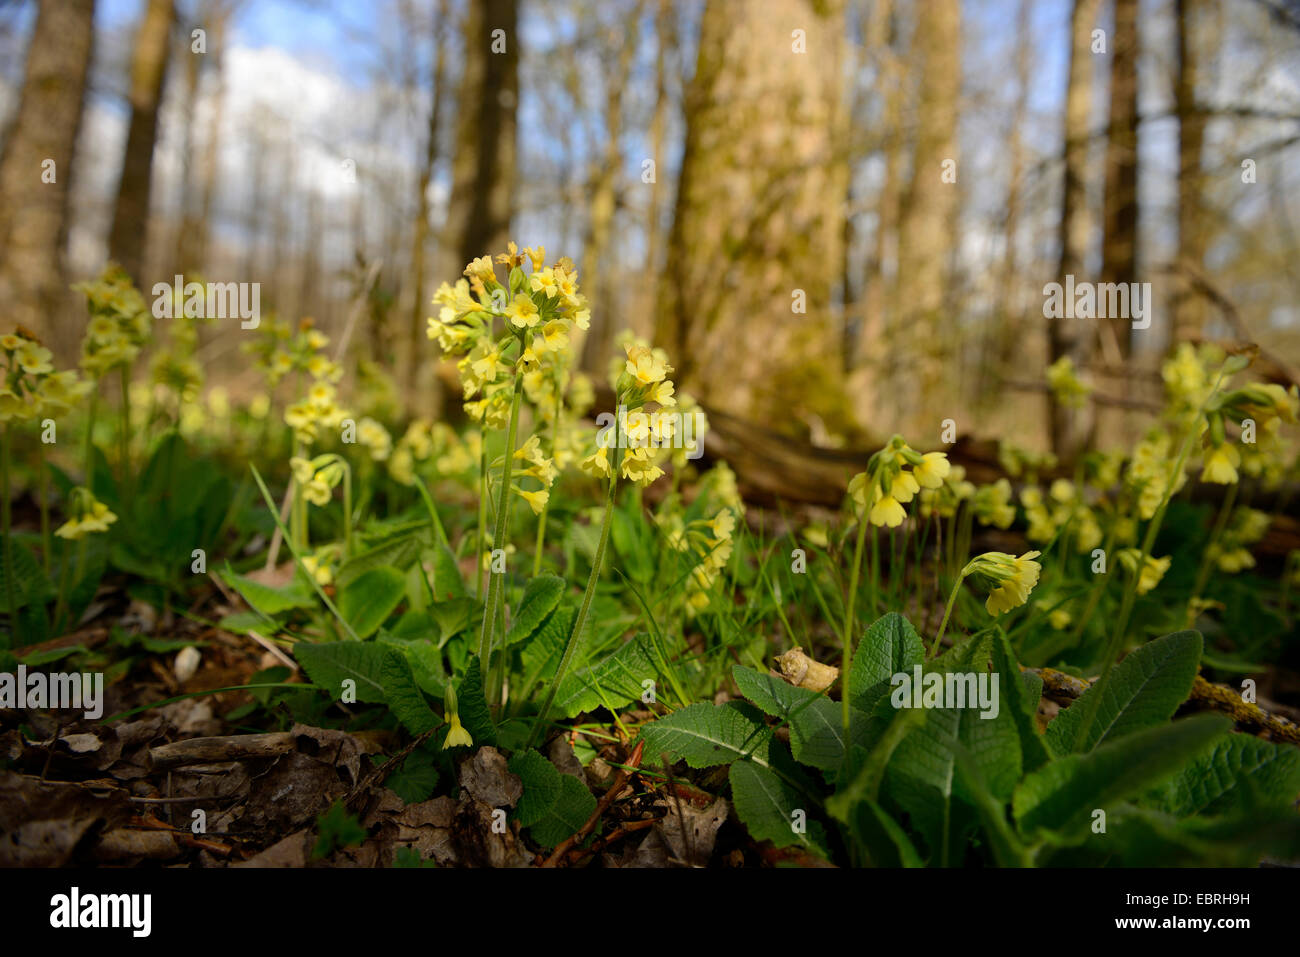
x,y
1064,505
1009,578
119,322
318,477
29,387
947,498
893,477
278,351
318,410
641,437
1149,472
1153,569
86,516
1231,553
1066,386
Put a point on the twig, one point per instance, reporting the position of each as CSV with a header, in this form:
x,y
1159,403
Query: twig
x,y
620,782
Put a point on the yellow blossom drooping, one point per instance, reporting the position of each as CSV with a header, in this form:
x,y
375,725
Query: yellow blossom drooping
x,y
1011,578
87,516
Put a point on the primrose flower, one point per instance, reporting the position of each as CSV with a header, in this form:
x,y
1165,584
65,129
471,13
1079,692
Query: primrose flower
x,y
932,470
887,512
523,312
457,737
645,366
88,516
1012,578
536,500
597,464
1221,464
1153,569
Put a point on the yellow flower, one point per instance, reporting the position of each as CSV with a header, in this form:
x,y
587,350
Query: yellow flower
x,y
887,512
932,470
12,406
10,342
1221,464
522,311
88,516
457,737
536,500
544,281
644,366
597,464
316,491
1013,578
1060,619
904,487
34,359
723,524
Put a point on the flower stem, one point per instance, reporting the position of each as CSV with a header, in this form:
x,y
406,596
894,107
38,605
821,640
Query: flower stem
x,y
1207,554
43,486
124,440
583,610
12,604
496,581
947,613
846,661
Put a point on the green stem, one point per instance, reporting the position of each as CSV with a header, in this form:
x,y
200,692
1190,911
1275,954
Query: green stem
x,y
12,603
583,609
1090,703
124,440
1203,573
851,605
496,581
43,487
482,516
947,613
347,511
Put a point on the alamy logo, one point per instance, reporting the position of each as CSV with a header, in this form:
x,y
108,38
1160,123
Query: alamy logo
x,y
212,300
1107,300
74,909
75,691
954,689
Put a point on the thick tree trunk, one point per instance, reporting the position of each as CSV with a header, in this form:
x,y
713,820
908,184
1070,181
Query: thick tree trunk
x,y
1119,245
929,205
1190,312
483,174
597,274
36,170
417,334
126,241
746,298
1072,428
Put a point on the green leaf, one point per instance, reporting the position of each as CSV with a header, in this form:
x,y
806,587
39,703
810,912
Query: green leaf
x,y
542,787
1062,795
891,646
1143,691
31,584
415,780
371,598
271,601
1021,698
816,722
572,808
472,705
399,552
540,597
612,682
1241,773
404,698
329,664
447,583
774,695
885,840
768,805
922,775
704,735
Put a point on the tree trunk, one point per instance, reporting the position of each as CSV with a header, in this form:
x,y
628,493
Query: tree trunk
x,y
1189,312
1119,245
928,209
1072,428
417,334
197,232
597,268
759,212
33,194
483,174
126,241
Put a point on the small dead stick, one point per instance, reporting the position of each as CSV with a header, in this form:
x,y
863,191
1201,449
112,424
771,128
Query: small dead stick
x,y
214,750
143,822
378,775
620,782
613,837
